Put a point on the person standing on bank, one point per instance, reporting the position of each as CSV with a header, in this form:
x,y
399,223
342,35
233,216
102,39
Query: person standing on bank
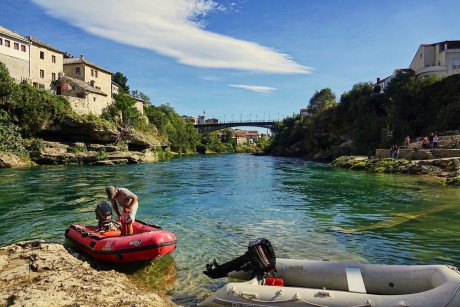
x,y
407,142
128,202
435,141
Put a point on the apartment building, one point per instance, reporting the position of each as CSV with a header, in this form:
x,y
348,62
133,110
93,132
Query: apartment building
x,y
46,64
441,59
14,53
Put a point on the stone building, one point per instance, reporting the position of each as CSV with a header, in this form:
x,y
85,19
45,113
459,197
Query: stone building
x,y
14,53
98,78
82,97
46,64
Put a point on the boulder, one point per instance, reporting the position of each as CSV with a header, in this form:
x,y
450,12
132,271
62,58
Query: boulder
x,y
77,129
9,160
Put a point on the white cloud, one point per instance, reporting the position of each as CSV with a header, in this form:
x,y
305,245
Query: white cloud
x,y
210,78
173,28
255,88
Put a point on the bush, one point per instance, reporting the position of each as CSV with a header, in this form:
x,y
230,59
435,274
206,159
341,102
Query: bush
x,y
102,155
10,136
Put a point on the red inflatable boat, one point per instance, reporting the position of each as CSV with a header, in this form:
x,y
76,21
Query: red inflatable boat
x,y
147,242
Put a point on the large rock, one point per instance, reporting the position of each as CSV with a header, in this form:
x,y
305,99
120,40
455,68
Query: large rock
x,y
55,153
46,274
9,160
78,129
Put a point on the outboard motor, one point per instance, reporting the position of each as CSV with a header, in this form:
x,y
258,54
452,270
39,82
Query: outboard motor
x,y
260,258
104,216
103,212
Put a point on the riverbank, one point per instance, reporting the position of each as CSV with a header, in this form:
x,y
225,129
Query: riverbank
x,y
446,169
37,273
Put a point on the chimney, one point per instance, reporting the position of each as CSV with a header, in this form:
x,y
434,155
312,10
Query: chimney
x,y
378,80
81,56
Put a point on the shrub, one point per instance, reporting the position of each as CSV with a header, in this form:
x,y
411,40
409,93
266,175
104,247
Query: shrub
x,y
102,155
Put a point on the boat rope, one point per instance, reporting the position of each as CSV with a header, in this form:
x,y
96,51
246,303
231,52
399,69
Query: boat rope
x,y
296,297
87,234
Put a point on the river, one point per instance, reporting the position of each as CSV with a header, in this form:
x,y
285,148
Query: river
x,y
217,204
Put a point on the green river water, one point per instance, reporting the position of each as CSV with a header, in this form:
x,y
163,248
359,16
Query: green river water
x,y
217,204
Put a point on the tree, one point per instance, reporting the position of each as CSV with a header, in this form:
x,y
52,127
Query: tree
x,y
122,81
182,135
144,97
6,81
125,104
321,100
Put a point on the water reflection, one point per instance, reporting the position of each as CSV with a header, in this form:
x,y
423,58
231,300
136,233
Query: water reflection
x,y
217,204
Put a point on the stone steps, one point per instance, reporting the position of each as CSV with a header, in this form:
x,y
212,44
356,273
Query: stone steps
x,y
444,141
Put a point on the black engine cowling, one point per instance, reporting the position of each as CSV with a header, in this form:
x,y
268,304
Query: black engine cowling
x,y
260,258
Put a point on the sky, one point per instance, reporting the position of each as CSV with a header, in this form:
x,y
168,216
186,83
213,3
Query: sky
x,y
238,60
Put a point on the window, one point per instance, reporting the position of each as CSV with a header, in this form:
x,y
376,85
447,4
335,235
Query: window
x,y
95,73
92,73
77,70
94,98
455,64
42,73
7,43
53,58
53,76
16,46
23,48
1,41
42,55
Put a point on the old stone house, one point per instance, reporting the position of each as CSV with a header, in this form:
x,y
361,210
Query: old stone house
x,y
46,64
82,97
87,86
97,95
14,53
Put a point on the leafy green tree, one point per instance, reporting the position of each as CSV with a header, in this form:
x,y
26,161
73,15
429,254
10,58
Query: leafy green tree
x,y
10,135
144,97
321,100
122,81
125,104
409,108
6,82
182,135
37,109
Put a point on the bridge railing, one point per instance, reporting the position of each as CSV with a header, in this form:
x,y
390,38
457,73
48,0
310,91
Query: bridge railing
x,y
249,122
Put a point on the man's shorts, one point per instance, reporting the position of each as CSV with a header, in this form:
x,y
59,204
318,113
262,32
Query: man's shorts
x,y
129,217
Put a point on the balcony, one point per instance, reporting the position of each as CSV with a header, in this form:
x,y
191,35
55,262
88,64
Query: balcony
x,y
440,70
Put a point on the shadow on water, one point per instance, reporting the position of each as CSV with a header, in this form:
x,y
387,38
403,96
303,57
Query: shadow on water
x,y
158,275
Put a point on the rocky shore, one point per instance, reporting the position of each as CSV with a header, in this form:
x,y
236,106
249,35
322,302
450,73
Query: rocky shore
x,y
78,141
38,273
446,169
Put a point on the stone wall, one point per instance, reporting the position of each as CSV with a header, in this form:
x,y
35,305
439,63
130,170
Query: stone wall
x,y
93,103
423,154
18,68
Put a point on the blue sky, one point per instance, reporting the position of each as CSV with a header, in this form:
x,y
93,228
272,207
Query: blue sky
x,y
250,59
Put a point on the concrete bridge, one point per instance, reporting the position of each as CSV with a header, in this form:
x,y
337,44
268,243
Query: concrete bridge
x,y
206,128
